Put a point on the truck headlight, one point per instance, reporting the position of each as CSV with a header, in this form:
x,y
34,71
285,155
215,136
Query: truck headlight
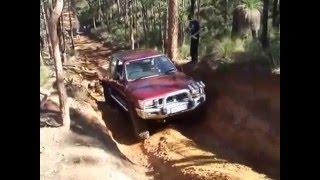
x,y
145,103
149,103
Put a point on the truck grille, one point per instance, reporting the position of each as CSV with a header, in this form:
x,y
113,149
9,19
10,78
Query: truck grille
x,y
183,97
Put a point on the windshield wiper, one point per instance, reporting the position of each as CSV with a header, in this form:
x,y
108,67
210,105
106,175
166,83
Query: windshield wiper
x,y
170,70
144,77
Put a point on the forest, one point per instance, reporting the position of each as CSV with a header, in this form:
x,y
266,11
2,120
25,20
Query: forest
x,y
238,59
228,26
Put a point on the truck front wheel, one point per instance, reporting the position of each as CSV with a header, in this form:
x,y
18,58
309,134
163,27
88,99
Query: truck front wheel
x,y
139,125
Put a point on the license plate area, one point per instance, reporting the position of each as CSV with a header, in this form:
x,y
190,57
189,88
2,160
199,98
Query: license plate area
x,y
178,108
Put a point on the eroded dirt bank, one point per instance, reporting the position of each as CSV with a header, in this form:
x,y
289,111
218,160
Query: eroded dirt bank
x,y
234,136
243,112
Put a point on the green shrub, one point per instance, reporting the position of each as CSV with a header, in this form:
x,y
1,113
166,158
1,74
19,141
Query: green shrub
x,y
253,48
226,47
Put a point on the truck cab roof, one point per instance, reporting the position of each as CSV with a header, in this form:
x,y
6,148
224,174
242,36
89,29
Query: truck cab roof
x,y
130,55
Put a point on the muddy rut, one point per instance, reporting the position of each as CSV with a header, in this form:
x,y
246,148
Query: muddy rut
x,y
184,148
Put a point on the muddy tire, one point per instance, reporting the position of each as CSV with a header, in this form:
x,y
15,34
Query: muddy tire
x,y
139,126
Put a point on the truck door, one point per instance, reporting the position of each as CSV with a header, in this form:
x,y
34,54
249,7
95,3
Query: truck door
x,y
118,84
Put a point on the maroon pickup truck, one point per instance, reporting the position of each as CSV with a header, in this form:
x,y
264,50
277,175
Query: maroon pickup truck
x,y
147,85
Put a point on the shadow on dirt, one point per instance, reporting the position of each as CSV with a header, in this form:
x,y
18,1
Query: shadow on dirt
x,y
94,129
117,120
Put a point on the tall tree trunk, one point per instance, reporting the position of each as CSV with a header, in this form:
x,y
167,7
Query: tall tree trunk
x,y
75,15
126,19
47,30
41,59
59,31
180,32
94,21
62,34
279,16
131,26
146,20
275,13
153,20
160,27
64,50
63,99
173,24
198,4
119,8
225,14
99,14
181,24
191,12
70,24
136,22
144,25
264,34
165,38
43,40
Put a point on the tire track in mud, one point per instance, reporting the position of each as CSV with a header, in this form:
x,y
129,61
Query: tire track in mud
x,y
170,152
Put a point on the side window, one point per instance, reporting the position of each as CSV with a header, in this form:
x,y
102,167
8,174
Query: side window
x,y
112,66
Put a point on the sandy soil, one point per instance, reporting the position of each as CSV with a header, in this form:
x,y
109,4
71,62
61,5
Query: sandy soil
x,y
235,135
182,135
77,156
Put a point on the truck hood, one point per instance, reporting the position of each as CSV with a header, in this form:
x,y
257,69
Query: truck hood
x,y
158,86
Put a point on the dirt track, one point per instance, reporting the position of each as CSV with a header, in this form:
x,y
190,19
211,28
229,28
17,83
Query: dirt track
x,y
201,145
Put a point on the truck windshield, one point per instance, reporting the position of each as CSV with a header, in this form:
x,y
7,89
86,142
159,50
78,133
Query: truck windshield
x,y
149,67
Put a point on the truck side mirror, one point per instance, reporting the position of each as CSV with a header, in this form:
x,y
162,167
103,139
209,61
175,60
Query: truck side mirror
x,y
179,68
121,77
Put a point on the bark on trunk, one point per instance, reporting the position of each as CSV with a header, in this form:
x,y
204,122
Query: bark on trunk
x,y
94,22
45,42
172,48
64,105
126,20
264,34
47,31
131,27
70,24
275,13
59,31
191,12
198,4
62,34
144,26
165,34
75,15
160,27
136,23
118,6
